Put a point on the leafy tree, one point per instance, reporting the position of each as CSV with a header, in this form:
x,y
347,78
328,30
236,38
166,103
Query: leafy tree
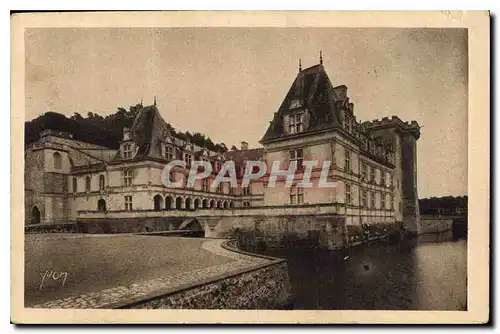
x,y
106,131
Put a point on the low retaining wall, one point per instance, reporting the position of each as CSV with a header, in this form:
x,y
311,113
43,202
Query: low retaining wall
x,y
434,225
265,286
110,225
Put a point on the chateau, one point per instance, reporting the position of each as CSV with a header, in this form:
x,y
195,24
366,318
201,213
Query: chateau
x,y
373,164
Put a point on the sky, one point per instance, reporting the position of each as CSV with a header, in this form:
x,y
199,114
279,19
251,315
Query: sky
x,y
228,82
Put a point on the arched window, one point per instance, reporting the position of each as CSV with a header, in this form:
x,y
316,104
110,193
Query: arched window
x,y
87,184
101,205
102,183
205,203
196,203
75,185
57,160
35,215
158,200
188,203
178,203
231,204
168,203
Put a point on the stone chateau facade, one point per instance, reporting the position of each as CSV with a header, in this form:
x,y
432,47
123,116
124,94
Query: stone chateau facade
x,y
374,164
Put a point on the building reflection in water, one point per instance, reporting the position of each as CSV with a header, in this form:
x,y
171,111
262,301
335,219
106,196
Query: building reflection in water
x,y
422,275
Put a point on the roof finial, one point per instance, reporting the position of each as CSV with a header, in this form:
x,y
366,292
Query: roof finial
x,y
154,103
320,57
300,64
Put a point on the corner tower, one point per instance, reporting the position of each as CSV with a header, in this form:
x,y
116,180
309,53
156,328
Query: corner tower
x,y
405,136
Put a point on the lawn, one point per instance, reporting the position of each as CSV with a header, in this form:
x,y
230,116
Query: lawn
x,y
96,262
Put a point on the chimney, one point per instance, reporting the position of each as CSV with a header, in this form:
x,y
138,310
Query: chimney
x,y
126,133
244,146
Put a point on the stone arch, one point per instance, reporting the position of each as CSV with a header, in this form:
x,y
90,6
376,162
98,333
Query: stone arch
x,y
212,204
187,203
57,159
197,203
219,204
226,205
178,203
157,202
169,202
231,204
192,224
35,215
205,203
101,205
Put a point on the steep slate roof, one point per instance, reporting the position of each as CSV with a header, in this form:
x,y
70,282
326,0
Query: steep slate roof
x,y
147,132
313,89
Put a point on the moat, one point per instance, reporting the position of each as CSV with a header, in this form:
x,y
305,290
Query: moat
x,y
423,274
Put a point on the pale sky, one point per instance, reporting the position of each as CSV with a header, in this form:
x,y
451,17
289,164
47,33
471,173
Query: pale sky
x,y
228,82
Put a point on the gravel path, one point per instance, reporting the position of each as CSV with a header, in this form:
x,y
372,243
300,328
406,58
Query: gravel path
x,y
221,261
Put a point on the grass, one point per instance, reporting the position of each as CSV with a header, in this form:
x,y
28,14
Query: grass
x,y
97,262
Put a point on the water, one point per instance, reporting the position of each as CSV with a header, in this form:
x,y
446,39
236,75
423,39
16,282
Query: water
x,y
427,274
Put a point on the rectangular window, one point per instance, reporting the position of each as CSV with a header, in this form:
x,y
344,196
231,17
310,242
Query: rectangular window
x,y
127,151
382,201
187,159
348,124
169,153
220,189
391,202
87,184
347,160
102,182
363,171
218,165
348,194
127,178
204,185
128,203
296,194
364,199
295,123
382,178
75,185
372,174
246,191
297,155
372,200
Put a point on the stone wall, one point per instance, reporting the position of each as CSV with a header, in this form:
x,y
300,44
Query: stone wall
x,y
264,287
284,231
429,225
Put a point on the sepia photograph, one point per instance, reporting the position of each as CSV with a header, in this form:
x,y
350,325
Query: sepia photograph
x,y
254,168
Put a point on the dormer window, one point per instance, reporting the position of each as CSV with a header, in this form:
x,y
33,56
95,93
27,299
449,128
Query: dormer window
x,y
188,158
169,153
296,123
127,151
